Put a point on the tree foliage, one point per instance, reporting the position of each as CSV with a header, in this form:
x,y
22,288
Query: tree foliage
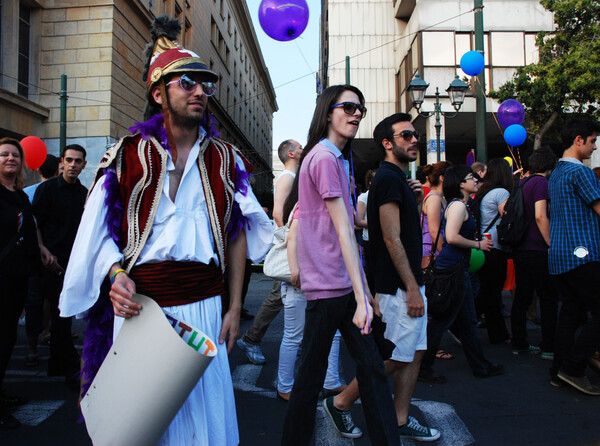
x,y
566,79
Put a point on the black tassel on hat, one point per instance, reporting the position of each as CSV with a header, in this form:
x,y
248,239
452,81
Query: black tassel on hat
x,y
163,26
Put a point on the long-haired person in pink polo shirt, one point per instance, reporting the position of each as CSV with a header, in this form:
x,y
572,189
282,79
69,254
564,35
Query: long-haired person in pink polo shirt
x,y
331,275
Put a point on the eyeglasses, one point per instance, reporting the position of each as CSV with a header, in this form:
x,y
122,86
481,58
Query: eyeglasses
x,y
189,85
407,135
470,177
350,108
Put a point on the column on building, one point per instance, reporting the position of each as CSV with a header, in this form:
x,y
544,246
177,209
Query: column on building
x,y
430,132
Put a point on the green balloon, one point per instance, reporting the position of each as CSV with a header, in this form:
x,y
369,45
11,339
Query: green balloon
x,y
477,260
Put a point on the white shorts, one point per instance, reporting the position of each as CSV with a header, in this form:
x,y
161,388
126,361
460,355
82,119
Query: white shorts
x,y
408,334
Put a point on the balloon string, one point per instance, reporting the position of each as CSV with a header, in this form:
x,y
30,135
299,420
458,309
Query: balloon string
x,y
309,67
518,163
362,276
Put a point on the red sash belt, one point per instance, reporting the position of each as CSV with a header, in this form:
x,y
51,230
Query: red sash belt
x,y
172,283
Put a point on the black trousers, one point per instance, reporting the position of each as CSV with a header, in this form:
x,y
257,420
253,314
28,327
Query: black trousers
x,y
323,318
531,274
13,293
489,302
64,358
462,319
579,289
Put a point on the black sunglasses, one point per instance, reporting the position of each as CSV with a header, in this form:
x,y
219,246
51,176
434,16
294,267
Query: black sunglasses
x,y
350,108
407,135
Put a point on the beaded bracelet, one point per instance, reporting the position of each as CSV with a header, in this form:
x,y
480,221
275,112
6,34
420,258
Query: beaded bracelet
x,y
120,270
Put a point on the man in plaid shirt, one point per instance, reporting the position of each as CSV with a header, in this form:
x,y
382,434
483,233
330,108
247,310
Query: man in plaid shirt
x,y
574,255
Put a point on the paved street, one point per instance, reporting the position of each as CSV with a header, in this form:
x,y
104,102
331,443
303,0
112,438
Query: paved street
x,y
518,408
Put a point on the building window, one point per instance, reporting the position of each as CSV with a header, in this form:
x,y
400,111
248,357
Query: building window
x,y
187,34
24,50
214,33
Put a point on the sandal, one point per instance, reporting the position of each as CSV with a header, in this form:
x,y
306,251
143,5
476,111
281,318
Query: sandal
x,y
441,354
7,400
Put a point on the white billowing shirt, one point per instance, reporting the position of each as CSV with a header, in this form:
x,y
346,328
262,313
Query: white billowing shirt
x,y
181,231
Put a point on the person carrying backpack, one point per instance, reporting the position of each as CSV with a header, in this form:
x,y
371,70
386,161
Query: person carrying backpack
x,y
531,256
492,197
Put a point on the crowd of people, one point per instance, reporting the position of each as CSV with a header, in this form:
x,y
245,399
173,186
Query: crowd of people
x,y
171,214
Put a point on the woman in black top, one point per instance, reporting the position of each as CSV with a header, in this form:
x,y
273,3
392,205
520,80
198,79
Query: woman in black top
x,y
19,257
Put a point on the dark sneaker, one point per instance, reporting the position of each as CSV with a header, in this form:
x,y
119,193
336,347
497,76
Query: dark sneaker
x,y
432,379
342,421
557,382
8,422
245,315
414,431
532,349
493,370
253,352
581,383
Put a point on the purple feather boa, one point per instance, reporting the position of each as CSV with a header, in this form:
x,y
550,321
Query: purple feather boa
x,y
114,215
237,220
155,127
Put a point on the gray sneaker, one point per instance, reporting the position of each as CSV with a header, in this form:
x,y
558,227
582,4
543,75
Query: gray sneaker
x,y
253,352
581,383
414,431
342,421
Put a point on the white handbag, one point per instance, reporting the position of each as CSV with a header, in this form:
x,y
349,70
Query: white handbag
x,y
276,264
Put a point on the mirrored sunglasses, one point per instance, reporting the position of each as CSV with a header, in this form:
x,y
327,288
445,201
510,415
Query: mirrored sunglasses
x,y
189,85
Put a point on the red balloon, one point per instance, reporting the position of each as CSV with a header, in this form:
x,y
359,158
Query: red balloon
x,y
35,151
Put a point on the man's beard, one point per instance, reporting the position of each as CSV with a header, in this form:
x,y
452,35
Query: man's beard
x,y
184,119
402,156
187,122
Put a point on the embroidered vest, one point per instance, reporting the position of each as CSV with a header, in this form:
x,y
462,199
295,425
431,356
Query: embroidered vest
x,y
141,167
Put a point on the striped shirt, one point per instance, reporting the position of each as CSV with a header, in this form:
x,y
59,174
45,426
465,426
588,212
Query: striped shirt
x,y
574,225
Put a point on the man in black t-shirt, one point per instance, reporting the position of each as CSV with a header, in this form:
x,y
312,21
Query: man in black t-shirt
x,y
395,238
58,205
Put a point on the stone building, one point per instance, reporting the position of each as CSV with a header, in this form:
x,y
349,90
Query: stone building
x,y
388,41
99,45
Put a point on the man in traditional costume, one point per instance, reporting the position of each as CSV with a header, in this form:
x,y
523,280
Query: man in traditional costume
x,y
171,214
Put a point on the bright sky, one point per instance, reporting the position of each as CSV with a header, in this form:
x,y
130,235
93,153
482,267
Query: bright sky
x,y
286,63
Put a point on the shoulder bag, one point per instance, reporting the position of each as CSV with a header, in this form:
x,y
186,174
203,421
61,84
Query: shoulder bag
x,y
442,285
276,264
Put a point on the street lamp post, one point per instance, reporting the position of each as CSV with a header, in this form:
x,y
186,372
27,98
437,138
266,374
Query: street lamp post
x,y
456,90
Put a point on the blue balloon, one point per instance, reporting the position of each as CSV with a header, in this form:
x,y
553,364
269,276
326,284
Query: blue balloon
x,y
515,135
472,63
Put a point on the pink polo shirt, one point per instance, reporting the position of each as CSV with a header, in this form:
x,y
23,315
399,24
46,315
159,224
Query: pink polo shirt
x,y
322,267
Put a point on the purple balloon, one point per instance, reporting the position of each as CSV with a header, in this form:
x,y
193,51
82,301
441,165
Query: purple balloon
x,y
283,20
510,112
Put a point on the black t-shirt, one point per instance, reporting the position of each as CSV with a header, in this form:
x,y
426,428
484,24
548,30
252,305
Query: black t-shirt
x,y
19,253
57,206
390,185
